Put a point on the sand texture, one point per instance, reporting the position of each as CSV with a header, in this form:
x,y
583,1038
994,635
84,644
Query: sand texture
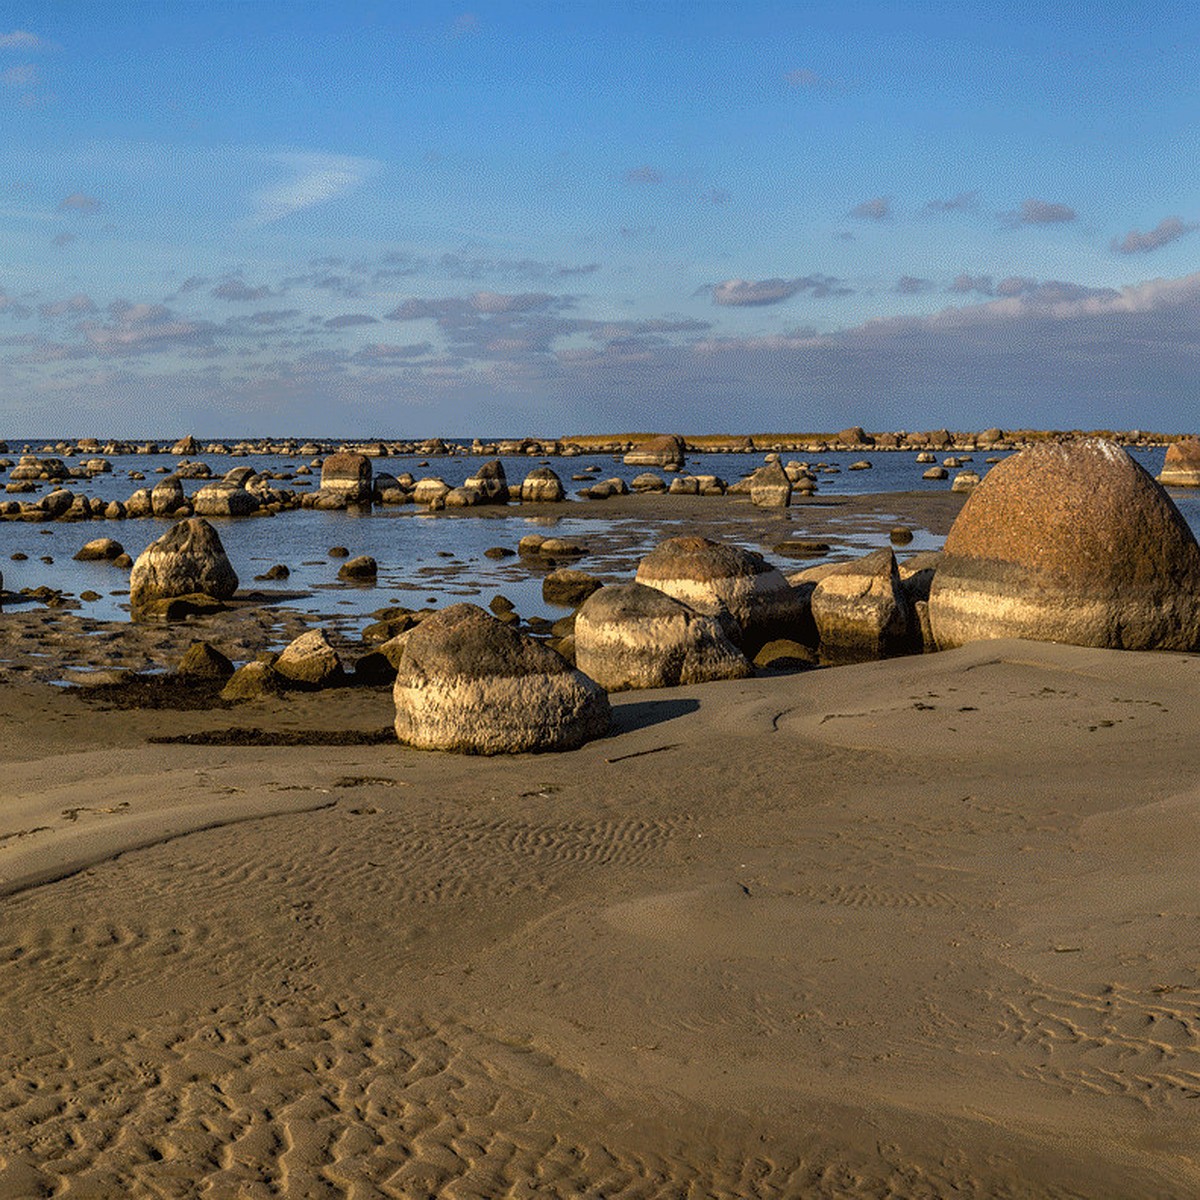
x,y
917,928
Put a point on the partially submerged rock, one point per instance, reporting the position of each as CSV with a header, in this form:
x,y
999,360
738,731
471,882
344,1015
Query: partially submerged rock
x,y
104,549
1181,465
634,636
770,487
470,684
346,477
666,450
188,558
1069,542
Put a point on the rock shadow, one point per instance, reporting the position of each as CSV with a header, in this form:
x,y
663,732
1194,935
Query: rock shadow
x,y
642,714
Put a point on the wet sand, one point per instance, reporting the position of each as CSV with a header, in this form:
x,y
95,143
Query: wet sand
x,y
924,927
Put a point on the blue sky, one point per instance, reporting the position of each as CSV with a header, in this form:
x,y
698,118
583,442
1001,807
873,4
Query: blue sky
x,y
507,218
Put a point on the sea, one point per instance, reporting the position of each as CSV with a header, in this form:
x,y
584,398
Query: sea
x,y
430,559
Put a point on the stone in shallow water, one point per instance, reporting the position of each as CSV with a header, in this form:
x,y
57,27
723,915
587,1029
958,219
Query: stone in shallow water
x,y
188,558
712,577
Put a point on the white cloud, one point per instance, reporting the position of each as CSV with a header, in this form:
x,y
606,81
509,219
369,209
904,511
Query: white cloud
x,y
313,179
21,39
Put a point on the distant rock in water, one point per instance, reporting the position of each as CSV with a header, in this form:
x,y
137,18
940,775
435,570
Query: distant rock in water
x,y
346,477
667,450
467,682
187,559
1181,466
1069,542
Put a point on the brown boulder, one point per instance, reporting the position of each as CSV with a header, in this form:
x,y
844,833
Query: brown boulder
x,y
666,450
1070,542
860,609
347,477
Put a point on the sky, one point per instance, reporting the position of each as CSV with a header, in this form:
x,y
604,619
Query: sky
x,y
506,219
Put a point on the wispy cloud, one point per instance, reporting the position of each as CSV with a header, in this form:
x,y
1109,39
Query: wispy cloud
x,y
234,288
23,76
1169,229
910,285
743,293
81,203
313,179
22,39
963,202
643,174
877,209
1039,212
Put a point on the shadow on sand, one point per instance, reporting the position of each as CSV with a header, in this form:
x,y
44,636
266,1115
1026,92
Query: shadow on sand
x,y
641,714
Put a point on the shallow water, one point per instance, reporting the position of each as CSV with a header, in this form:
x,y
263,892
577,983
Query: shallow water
x,y
431,559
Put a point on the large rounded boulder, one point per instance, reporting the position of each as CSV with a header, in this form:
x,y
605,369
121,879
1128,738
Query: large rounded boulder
x,y
1069,542
633,636
467,682
712,577
186,560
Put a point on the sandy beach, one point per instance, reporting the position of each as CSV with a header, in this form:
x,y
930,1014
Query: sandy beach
x,y
921,927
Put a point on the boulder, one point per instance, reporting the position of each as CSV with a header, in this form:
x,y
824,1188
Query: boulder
x,y
1069,542
187,558
713,578
541,486
347,477
430,491
186,445
666,450
647,481
634,636
252,681
204,661
167,496
310,661
770,487
965,481
468,683
223,498
489,482
1181,466
99,549
362,569
568,588
178,608
854,436
860,609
